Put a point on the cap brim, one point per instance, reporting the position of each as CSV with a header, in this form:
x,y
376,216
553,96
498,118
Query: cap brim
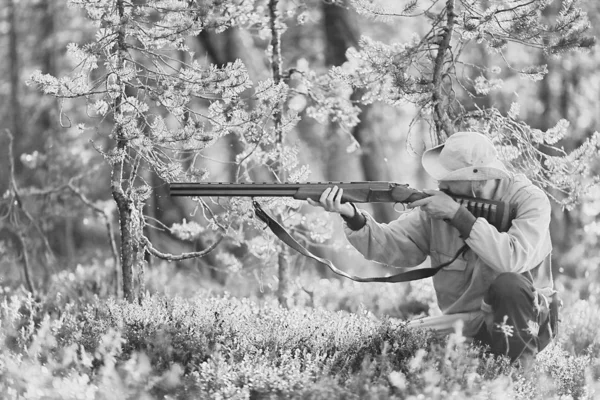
x,y
431,164
494,170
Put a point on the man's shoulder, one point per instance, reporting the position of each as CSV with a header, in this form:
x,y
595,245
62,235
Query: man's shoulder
x,y
521,190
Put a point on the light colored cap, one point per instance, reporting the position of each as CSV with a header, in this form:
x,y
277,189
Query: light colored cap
x,y
465,156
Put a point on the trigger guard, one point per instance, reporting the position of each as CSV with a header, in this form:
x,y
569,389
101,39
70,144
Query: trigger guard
x,y
402,209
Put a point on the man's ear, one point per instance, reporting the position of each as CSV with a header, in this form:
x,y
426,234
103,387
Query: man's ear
x,y
478,185
484,188
477,188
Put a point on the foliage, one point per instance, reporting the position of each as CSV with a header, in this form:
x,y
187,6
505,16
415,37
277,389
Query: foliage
x,y
156,107
581,334
434,72
227,347
413,299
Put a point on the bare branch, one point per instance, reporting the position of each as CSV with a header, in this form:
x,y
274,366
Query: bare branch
x,y
25,258
107,220
17,196
178,257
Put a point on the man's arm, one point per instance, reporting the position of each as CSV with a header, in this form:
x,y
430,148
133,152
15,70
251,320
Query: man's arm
x,y
403,242
526,243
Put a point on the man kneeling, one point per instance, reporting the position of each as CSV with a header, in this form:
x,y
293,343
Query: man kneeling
x,y
499,287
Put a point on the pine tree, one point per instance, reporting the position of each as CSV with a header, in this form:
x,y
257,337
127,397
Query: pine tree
x,y
432,72
153,105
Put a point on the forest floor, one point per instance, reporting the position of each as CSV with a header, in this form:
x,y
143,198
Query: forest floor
x,y
77,342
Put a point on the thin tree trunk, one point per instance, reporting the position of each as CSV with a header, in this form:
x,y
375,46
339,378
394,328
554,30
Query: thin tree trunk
x,y
222,49
13,53
17,231
283,272
443,125
341,34
48,35
545,97
47,122
372,158
125,207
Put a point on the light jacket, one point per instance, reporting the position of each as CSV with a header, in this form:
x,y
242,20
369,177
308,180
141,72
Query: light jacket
x,y
460,287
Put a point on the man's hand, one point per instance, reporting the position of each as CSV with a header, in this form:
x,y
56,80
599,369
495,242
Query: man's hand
x,y
439,205
331,200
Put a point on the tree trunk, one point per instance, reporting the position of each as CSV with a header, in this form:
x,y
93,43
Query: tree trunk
x,y
283,276
13,53
127,256
341,34
222,49
130,218
283,259
25,259
443,125
372,158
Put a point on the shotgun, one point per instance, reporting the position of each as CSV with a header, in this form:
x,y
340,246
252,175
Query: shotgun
x,y
498,213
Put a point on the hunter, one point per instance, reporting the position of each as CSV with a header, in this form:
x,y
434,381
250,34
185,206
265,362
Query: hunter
x,y
500,287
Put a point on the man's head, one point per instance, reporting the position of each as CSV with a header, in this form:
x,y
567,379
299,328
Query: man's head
x,y
464,163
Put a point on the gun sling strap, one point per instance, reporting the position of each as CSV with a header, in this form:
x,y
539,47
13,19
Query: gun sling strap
x,y
285,237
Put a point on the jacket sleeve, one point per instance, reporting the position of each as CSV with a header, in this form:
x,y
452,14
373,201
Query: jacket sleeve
x,y
526,243
403,242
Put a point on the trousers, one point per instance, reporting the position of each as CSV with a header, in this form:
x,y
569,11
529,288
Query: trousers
x,y
518,323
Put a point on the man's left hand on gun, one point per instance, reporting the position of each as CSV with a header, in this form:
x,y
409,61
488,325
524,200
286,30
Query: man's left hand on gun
x,y
438,205
331,200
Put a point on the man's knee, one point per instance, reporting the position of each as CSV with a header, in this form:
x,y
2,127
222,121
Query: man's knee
x,y
510,285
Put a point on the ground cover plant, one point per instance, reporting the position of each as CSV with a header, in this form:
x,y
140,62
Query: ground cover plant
x,y
63,346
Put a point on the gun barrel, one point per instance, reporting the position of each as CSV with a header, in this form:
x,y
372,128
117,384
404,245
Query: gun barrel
x,y
201,189
360,192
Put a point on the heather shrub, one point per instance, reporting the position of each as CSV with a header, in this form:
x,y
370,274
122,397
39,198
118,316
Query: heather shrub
x,y
580,327
225,347
562,374
189,331
83,284
39,361
382,299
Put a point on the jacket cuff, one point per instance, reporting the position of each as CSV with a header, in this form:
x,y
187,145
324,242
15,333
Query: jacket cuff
x,y
463,221
356,222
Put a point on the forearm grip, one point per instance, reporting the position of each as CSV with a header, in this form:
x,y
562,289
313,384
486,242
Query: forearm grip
x,y
498,213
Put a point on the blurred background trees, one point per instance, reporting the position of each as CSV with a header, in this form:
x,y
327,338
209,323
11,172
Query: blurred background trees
x,y
157,91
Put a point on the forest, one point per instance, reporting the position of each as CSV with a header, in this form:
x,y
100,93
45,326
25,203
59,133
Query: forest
x,y
111,288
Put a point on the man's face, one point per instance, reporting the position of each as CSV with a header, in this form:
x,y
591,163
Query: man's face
x,y
459,188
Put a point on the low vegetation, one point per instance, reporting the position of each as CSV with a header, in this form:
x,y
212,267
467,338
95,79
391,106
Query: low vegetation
x,y
76,343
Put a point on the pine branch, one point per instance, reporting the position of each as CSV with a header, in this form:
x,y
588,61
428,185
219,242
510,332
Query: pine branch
x,y
378,12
